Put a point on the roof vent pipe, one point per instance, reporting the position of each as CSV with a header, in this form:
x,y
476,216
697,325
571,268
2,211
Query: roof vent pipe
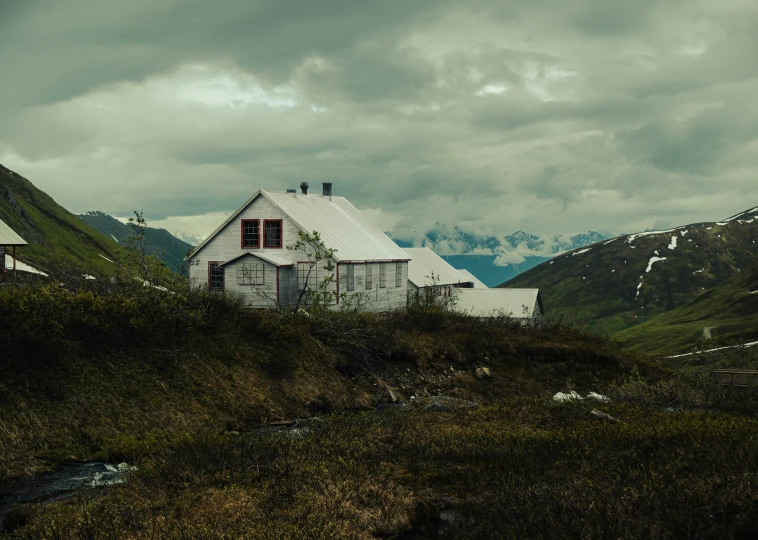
x,y
304,187
327,192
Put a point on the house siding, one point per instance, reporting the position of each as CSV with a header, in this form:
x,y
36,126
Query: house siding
x,y
256,296
226,245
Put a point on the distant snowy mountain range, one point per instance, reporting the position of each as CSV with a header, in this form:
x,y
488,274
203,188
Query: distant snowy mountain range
x,y
511,249
192,239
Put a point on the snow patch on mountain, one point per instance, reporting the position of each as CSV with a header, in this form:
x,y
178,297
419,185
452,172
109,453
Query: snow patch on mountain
x,y
652,261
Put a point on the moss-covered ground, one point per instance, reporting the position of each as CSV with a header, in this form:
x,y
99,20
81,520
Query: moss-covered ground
x,y
180,384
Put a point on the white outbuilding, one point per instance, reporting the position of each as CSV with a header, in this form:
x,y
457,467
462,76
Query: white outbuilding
x,y
9,239
521,304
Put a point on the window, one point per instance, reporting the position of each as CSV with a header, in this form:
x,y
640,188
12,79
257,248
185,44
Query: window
x,y
382,275
251,233
272,233
307,276
398,274
250,274
350,277
369,277
215,276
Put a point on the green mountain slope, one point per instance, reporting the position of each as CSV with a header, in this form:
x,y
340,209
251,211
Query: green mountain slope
x,y
726,313
56,237
627,280
167,247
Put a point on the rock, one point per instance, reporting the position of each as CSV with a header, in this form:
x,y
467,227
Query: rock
x,y
563,398
598,397
482,372
444,404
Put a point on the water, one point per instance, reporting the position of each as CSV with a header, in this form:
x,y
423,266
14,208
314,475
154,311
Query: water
x,y
61,483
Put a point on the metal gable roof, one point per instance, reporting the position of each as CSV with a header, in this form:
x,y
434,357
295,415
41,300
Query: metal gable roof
x,y
262,254
508,301
8,237
472,278
425,262
341,226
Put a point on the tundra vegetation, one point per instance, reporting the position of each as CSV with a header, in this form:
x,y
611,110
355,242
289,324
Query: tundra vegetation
x,y
181,382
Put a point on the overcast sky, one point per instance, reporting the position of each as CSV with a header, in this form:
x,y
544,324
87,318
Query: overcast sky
x,y
551,116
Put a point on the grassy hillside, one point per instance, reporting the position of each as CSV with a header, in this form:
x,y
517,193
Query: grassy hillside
x,y
56,237
622,282
179,385
729,312
159,242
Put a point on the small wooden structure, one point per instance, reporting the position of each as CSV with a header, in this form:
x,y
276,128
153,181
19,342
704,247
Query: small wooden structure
x,y
9,239
736,377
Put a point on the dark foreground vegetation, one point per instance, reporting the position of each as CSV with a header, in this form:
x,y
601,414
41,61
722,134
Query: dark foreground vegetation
x,y
180,386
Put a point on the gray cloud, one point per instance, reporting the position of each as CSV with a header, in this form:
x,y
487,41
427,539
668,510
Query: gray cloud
x,y
552,117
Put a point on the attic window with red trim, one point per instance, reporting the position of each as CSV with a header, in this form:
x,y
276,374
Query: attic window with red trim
x,y
250,233
272,233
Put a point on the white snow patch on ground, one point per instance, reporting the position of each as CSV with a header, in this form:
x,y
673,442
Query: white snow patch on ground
x,y
21,267
639,286
106,258
697,271
751,344
684,233
632,247
612,271
708,228
562,397
551,262
581,251
609,241
672,245
87,276
116,239
752,292
652,261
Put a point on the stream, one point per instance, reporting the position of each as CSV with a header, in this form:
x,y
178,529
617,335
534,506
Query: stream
x,y
60,484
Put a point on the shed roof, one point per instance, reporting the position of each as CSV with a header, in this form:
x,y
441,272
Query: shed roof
x,y
262,254
8,237
484,302
472,278
425,262
340,224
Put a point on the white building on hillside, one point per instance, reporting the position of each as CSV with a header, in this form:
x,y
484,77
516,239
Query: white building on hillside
x,y
523,304
9,239
427,269
247,254
471,277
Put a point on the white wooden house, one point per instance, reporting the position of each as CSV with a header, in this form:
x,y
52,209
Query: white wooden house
x,y
9,239
247,254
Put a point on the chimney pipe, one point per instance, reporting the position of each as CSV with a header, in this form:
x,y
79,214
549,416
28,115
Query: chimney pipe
x,y
304,187
327,189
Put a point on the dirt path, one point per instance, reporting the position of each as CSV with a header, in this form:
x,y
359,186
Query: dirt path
x,y
707,332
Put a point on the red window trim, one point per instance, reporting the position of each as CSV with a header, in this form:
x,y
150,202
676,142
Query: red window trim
x,y
242,234
281,233
223,276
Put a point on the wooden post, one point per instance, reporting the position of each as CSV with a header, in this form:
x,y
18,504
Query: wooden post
x,y
14,264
